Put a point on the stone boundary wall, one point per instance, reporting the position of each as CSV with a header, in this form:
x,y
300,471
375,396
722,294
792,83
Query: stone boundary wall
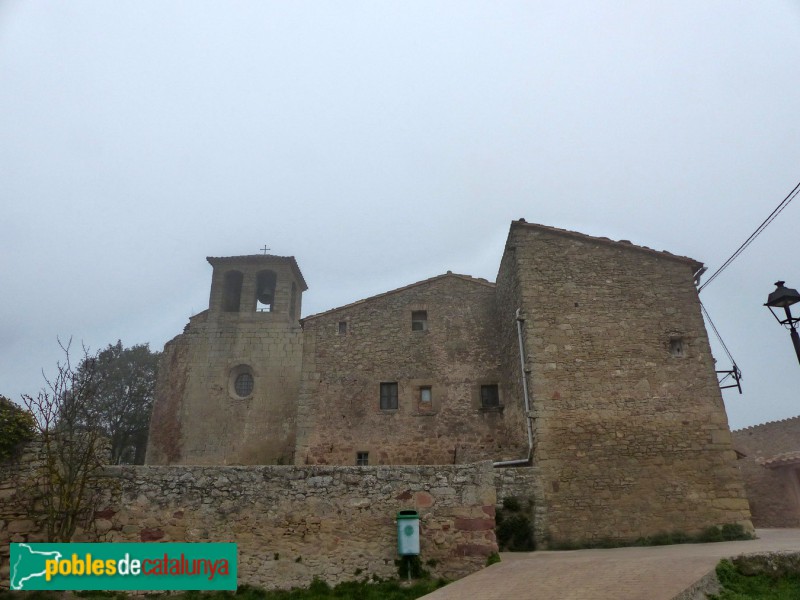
x,y
516,482
15,523
290,523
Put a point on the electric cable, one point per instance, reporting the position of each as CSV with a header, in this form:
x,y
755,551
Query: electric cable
x,y
784,203
716,332
735,371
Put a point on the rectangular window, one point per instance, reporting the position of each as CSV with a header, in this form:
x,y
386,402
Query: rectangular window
x,y
362,459
419,320
490,396
389,396
342,327
425,394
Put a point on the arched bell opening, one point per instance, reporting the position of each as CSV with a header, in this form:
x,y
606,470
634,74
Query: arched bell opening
x,y
232,291
265,291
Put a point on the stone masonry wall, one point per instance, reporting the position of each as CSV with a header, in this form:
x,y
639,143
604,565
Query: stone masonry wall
x,y
16,525
339,410
198,418
631,432
517,482
774,494
508,300
290,523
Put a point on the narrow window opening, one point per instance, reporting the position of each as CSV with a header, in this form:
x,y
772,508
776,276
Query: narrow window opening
x,y
389,396
265,291
342,327
425,395
419,320
490,396
362,459
232,291
676,347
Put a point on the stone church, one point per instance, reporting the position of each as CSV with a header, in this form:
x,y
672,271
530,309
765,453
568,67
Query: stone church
x,y
587,361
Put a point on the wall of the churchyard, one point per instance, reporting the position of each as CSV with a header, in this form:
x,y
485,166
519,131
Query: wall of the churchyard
x,y
339,411
774,493
632,437
290,523
16,525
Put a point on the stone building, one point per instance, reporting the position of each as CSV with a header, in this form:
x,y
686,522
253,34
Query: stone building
x,y
769,460
602,340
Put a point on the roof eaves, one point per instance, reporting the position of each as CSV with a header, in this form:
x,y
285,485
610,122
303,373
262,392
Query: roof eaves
x,y
260,259
623,244
466,278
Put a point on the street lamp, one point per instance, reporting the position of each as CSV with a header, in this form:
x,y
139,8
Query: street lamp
x,y
784,297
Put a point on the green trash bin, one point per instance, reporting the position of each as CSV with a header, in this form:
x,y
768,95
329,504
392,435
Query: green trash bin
x,y
407,532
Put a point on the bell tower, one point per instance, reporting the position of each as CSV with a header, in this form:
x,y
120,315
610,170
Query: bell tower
x,y
227,393
266,287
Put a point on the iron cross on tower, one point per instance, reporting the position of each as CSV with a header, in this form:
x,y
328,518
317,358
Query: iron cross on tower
x,y
264,249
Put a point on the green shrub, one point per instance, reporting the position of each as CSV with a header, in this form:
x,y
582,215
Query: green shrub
x,y
412,565
762,586
16,428
319,587
514,528
734,531
493,558
725,533
249,592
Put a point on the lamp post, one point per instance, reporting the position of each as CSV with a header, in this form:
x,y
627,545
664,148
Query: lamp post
x,y
784,297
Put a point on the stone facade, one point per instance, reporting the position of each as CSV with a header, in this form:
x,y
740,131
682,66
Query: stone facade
x,y
291,524
770,466
629,432
451,355
631,435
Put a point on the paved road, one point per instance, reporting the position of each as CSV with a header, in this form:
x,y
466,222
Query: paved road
x,y
656,573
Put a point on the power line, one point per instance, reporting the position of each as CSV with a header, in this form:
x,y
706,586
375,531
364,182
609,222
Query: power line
x,y
716,332
735,372
784,203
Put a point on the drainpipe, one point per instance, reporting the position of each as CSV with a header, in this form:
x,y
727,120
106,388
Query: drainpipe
x,y
698,274
521,461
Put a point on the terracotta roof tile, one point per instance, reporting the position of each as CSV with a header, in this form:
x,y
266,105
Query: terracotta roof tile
x,y
782,460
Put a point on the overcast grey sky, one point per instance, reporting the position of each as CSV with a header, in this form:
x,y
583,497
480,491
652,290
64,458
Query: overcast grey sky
x,y
382,143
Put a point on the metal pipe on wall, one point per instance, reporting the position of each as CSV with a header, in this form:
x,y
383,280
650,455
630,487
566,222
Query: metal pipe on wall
x,y
521,461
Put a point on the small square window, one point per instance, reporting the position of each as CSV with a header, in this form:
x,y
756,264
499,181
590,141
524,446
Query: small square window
x,y
425,394
419,320
362,459
676,347
490,396
389,396
342,327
